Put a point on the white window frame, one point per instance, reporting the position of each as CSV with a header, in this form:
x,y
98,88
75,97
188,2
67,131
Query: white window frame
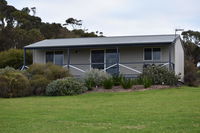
x,y
152,54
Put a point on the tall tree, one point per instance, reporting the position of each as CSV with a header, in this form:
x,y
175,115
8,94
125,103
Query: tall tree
x,y
33,9
73,22
18,28
191,39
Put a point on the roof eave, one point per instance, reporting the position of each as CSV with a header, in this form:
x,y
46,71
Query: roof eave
x,y
100,45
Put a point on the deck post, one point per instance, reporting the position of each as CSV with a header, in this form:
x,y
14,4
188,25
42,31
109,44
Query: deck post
x,y
68,58
24,63
117,61
170,62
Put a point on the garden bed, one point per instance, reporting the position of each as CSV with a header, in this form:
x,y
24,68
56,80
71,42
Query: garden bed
x,y
134,88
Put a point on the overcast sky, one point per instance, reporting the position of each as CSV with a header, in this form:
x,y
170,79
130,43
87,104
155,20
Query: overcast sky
x,y
120,17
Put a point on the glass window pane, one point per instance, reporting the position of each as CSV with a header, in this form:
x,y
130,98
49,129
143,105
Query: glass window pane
x,y
147,54
98,66
97,59
156,53
98,56
111,58
59,58
49,57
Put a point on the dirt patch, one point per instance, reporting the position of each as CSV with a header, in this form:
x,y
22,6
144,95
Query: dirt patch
x,y
134,88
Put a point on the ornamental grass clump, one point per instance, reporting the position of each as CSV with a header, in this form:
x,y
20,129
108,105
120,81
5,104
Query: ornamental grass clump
x,y
108,83
117,79
127,83
147,82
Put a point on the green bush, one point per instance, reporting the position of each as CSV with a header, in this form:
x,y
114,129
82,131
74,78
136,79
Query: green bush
x,y
66,86
117,79
7,70
191,74
126,83
96,77
147,82
160,75
108,83
40,75
13,83
49,70
54,72
38,84
14,58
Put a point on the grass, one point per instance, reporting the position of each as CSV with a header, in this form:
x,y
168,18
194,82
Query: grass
x,y
174,110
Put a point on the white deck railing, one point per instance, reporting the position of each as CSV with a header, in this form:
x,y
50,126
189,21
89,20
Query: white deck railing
x,y
114,65
124,65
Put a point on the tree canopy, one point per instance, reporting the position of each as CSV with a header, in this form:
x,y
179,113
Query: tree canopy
x,y
191,40
19,28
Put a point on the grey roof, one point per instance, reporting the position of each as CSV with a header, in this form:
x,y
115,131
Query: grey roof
x,y
103,41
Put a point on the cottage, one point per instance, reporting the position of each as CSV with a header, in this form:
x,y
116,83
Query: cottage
x,y
127,55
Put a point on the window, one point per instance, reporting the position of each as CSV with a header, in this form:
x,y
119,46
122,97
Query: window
x,y
55,57
147,54
111,59
58,58
156,53
49,57
97,59
152,54
101,59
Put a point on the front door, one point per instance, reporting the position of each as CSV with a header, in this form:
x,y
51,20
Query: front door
x,y
58,58
111,59
101,59
97,59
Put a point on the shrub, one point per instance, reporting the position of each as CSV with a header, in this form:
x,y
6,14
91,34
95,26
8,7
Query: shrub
x,y
66,86
126,83
40,75
13,83
36,69
38,84
7,70
108,83
96,77
147,82
49,70
191,75
14,58
117,79
160,75
54,72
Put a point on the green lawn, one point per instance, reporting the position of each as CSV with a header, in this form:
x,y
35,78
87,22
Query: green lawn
x,y
158,111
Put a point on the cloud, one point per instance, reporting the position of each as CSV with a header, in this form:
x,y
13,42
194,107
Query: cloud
x,y
121,17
